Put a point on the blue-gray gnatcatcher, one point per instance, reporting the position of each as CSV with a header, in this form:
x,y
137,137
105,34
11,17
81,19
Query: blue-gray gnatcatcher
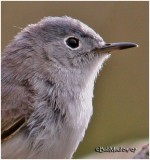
x,y
48,74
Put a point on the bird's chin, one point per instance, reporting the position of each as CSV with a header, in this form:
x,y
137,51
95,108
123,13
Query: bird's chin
x,y
107,54
103,56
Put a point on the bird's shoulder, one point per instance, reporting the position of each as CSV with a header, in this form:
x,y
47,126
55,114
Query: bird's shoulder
x,y
16,106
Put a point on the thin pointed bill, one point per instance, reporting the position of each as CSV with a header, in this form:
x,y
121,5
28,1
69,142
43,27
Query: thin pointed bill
x,y
110,47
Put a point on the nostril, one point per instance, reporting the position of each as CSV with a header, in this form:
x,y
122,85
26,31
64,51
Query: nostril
x,y
107,44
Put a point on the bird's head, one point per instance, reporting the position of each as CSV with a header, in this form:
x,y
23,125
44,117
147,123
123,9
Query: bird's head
x,y
66,43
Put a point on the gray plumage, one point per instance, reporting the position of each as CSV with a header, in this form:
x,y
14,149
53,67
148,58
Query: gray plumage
x,y
47,88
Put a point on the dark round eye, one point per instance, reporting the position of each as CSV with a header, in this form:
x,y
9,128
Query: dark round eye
x,y
72,42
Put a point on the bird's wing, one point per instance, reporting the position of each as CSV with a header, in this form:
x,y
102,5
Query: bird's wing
x,y
17,92
11,127
15,109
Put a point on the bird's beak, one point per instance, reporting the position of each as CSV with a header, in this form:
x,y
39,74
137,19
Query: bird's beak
x,y
110,47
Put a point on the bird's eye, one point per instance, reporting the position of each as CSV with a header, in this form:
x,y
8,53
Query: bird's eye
x,y
72,42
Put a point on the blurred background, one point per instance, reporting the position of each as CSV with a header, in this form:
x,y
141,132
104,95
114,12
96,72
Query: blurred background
x,y
121,91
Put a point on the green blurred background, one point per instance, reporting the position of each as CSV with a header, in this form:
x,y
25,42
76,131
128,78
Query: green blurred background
x,y
121,91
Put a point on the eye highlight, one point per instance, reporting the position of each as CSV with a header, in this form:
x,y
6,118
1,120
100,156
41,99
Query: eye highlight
x,y
72,42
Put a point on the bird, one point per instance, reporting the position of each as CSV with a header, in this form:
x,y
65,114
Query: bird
x,y
48,75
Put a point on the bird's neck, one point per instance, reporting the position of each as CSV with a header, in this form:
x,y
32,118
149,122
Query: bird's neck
x,y
82,77
65,107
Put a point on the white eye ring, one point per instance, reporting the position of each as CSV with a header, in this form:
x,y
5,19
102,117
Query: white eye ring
x,y
72,42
